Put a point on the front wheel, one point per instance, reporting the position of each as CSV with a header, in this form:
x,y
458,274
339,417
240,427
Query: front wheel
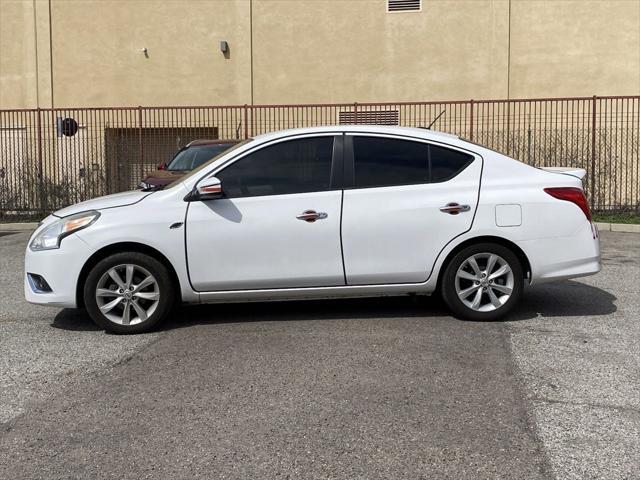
x,y
482,282
128,292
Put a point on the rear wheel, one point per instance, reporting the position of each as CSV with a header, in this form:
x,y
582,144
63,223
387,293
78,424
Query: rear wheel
x,y
482,282
128,292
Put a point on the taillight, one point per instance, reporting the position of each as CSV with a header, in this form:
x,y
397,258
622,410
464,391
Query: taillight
x,y
573,195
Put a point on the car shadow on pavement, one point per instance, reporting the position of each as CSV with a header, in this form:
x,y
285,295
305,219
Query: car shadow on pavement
x,y
568,298
76,320
301,310
563,299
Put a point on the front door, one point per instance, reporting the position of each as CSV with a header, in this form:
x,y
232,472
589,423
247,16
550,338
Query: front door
x,y
277,226
394,219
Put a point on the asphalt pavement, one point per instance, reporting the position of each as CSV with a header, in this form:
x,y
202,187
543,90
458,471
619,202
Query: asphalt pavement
x,y
379,388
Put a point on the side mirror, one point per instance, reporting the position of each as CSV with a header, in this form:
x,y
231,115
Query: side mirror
x,y
162,166
208,189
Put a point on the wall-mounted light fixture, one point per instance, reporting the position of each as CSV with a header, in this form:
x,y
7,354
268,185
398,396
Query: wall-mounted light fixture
x,y
224,46
145,52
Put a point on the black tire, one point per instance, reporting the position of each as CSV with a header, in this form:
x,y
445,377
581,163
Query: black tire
x,y
448,283
144,264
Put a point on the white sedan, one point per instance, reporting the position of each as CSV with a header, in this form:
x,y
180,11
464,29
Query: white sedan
x,y
320,213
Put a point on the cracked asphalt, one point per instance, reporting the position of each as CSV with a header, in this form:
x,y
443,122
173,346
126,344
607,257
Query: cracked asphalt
x,y
380,388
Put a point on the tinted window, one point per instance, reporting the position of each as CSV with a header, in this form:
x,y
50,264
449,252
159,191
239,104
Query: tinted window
x,y
296,166
380,162
446,164
196,171
193,157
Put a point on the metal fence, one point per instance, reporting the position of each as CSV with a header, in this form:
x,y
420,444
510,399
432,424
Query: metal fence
x,y
50,158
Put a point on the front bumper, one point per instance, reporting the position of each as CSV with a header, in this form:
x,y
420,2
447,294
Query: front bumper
x,y
60,268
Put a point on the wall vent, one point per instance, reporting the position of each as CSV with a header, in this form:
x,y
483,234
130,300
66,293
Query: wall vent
x,y
404,5
370,117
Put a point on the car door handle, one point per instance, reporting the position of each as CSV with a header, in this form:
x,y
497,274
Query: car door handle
x,y
454,208
311,216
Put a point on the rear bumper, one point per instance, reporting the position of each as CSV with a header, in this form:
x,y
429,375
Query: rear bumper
x,y
560,258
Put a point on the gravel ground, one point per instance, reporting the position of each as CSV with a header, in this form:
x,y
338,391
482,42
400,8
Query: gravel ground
x,y
43,349
579,361
383,388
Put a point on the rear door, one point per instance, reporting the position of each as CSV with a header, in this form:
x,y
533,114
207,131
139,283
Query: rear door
x,y
278,225
401,208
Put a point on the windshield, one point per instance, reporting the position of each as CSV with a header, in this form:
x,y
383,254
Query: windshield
x,y
192,157
207,162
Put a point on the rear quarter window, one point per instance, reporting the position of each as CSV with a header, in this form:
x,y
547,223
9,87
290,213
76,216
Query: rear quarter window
x,y
446,163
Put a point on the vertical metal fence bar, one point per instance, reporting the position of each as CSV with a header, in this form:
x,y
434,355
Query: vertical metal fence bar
x,y
140,140
607,159
593,153
43,206
627,189
634,156
141,131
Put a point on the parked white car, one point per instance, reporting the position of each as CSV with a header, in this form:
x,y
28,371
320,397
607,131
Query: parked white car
x,y
320,213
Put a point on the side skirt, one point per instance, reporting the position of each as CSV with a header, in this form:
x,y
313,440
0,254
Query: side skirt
x,y
316,293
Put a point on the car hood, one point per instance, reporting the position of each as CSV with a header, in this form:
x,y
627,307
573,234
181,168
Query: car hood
x,y
108,201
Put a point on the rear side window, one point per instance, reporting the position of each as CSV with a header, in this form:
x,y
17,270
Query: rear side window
x,y
382,162
295,166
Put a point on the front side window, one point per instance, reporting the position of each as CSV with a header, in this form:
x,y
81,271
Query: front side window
x,y
294,166
385,162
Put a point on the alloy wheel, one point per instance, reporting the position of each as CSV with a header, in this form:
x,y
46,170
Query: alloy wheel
x,y
127,294
484,282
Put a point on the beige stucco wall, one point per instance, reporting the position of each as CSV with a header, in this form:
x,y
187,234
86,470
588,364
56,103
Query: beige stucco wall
x,y
312,51
98,60
97,52
353,50
575,47
17,55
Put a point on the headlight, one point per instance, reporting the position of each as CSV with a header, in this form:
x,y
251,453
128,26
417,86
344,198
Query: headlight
x,y
50,237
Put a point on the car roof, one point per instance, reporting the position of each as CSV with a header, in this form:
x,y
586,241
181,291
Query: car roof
x,y
218,141
379,129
